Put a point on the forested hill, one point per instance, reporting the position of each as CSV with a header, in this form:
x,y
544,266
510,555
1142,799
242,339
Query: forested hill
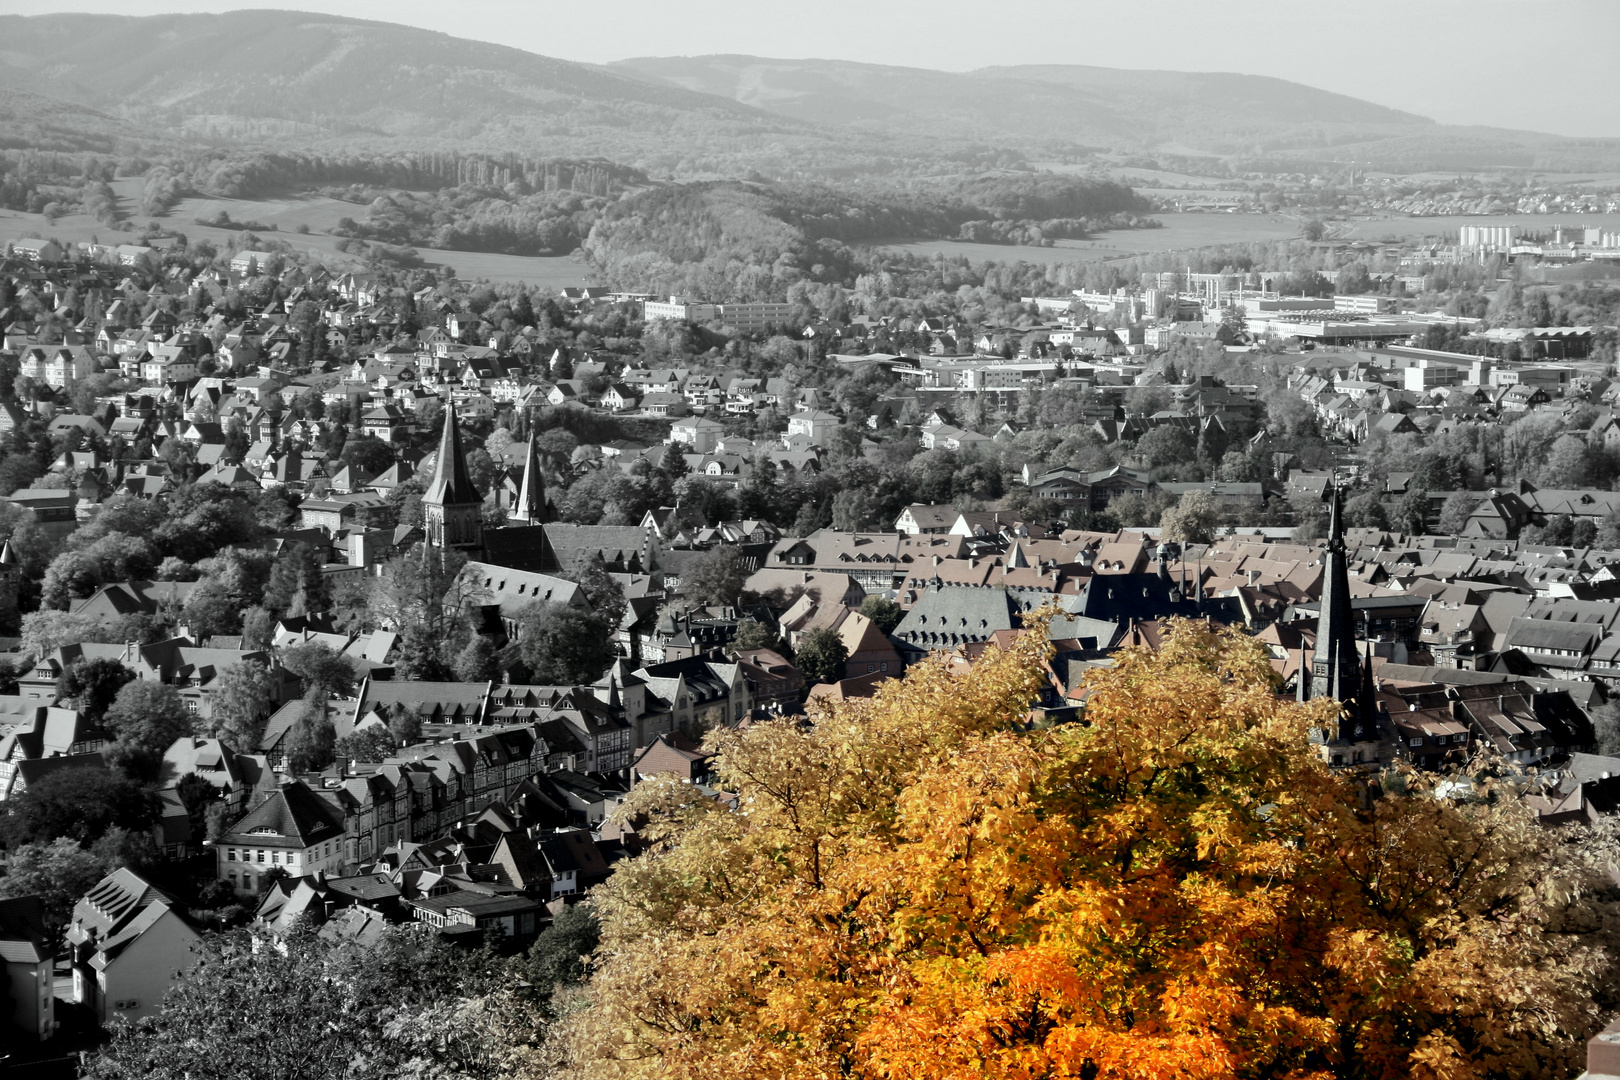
x,y
1101,106
291,80
295,78
30,121
744,241
1046,105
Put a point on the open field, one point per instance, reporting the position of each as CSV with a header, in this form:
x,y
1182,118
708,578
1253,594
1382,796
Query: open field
x,y
1180,232
319,213
1185,231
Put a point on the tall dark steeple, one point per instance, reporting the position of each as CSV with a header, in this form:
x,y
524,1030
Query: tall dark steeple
x,y
1338,669
1335,667
452,509
530,508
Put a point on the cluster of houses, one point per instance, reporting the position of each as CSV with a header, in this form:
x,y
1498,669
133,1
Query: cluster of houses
x,y
1403,390
498,808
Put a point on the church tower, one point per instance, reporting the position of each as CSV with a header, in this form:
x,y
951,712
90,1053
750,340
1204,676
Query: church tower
x,y
452,510
1338,669
530,508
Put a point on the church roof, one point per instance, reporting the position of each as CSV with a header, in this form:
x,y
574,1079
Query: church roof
x,y
451,484
531,500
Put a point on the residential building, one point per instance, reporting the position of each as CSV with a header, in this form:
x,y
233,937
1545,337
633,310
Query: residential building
x,y
294,831
129,942
29,984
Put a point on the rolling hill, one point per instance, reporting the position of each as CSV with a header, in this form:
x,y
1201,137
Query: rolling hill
x,y
31,121
1037,106
1099,106
282,77
287,79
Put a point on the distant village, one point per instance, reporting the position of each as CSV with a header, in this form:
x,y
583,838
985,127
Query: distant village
x,y
1341,474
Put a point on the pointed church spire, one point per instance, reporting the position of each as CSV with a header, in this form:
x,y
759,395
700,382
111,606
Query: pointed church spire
x,y
451,484
1367,698
530,508
1335,668
452,509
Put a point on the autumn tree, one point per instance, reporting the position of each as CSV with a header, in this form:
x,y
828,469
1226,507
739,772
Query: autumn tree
x,y
478,661
603,593
1455,512
924,886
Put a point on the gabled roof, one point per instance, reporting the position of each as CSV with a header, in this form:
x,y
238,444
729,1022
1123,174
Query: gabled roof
x,y
22,931
293,817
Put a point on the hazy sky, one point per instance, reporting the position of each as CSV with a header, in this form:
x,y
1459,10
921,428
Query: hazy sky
x,y
1544,65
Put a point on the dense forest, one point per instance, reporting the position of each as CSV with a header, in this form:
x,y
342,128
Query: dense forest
x,y
246,175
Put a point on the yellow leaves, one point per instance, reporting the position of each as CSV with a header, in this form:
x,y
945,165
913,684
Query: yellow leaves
x,y
1177,888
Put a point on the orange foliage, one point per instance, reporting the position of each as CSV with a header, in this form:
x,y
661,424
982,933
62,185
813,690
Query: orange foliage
x,y
912,886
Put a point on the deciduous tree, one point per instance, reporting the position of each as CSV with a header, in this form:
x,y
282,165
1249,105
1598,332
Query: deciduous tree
x,y
78,803
563,645
821,656
884,613
244,698
1178,887
144,720
92,685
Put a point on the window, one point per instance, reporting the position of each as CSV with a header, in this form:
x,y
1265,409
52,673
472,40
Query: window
x,y
261,855
230,854
1415,741
275,856
193,705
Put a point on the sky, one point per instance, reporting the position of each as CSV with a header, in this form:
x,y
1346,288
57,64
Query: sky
x,y
1541,65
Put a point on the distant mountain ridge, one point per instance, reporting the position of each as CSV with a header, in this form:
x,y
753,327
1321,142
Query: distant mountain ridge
x,y
354,79
332,83
1066,103
1214,113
